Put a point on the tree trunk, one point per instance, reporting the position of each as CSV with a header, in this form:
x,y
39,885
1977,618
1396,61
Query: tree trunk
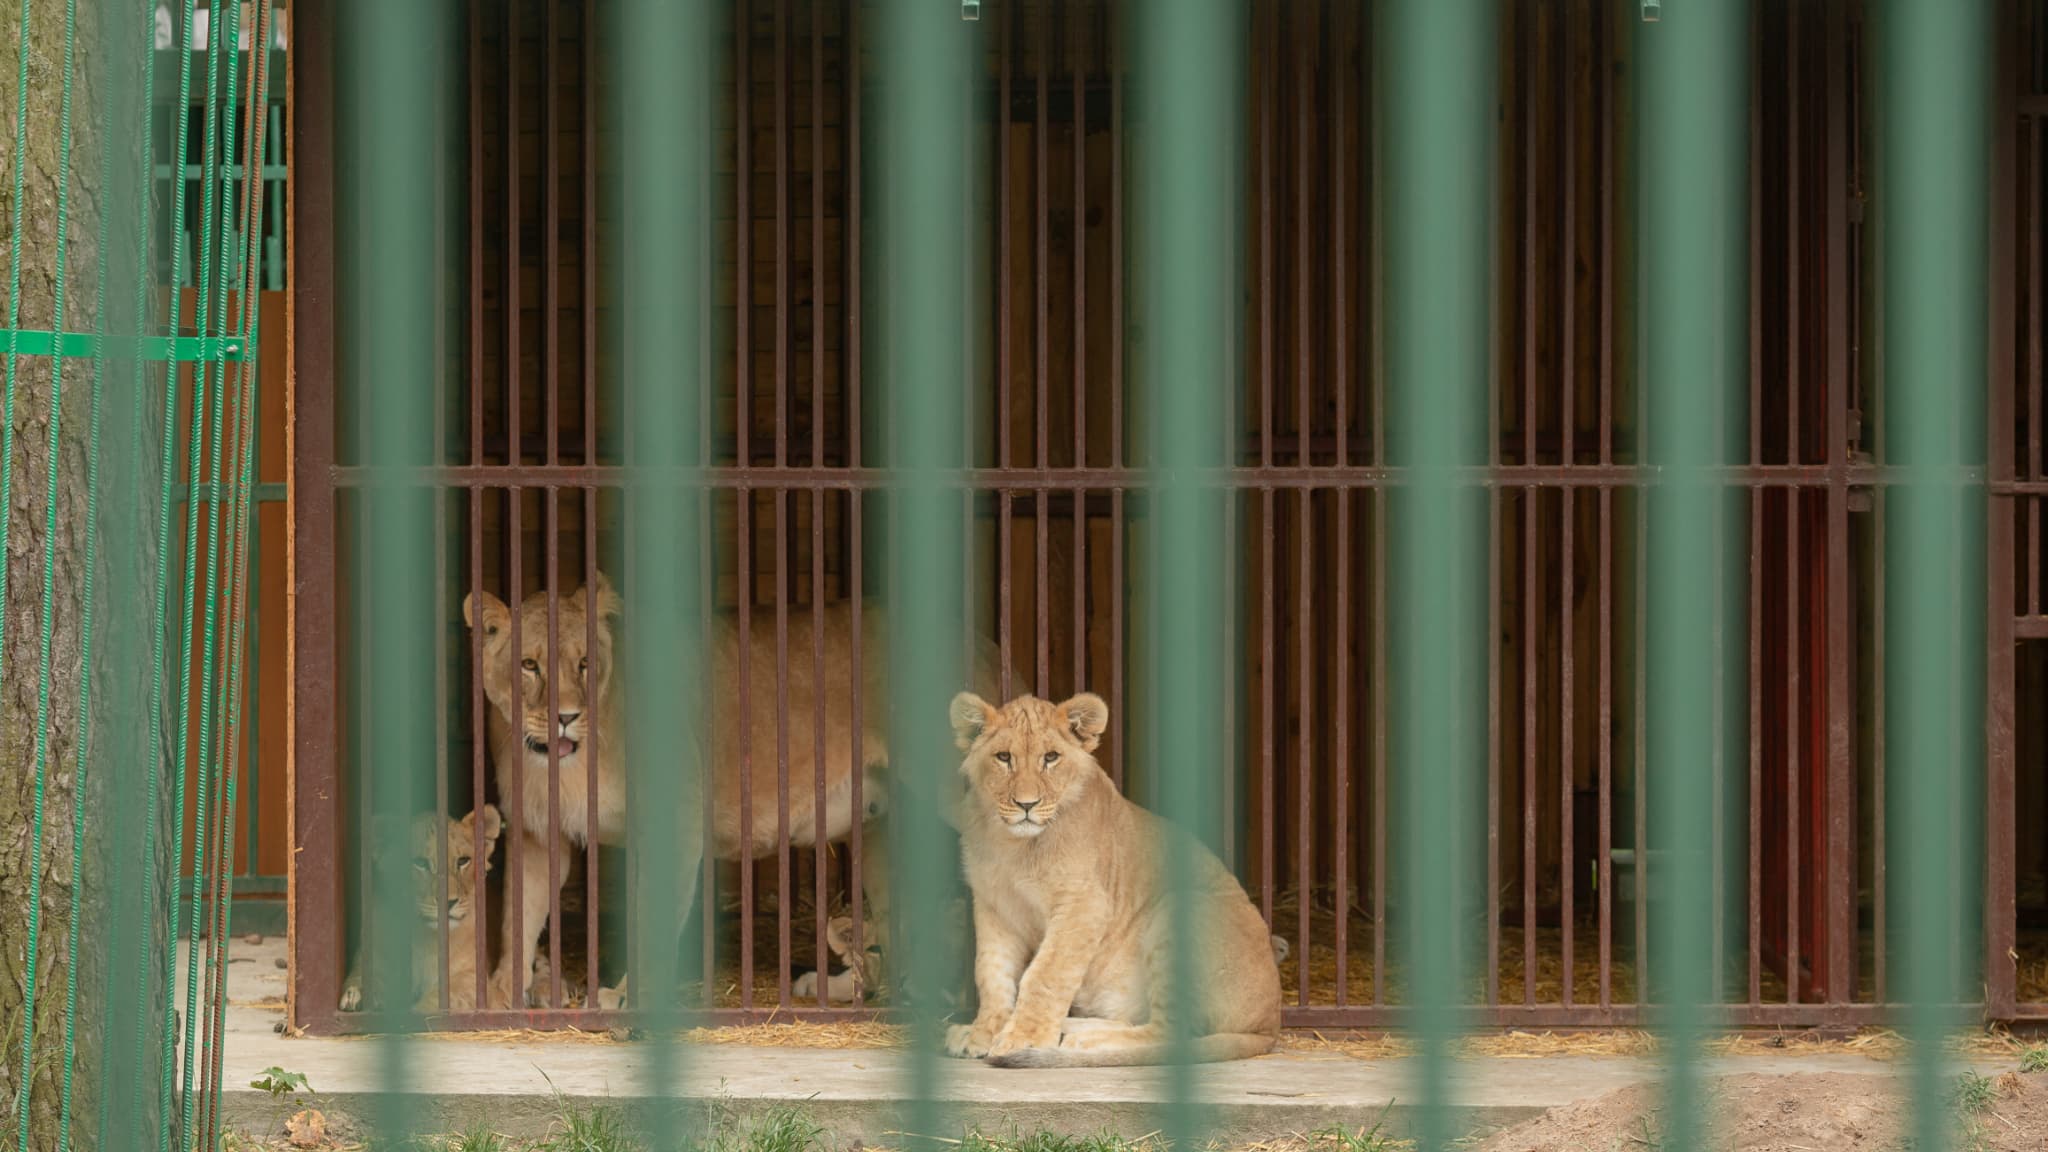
x,y
116,955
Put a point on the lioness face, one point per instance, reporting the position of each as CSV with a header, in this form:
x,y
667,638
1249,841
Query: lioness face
x,y
1028,757
578,672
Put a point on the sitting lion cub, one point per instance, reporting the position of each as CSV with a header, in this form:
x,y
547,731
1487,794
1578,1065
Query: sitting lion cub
x,y
1071,917
447,895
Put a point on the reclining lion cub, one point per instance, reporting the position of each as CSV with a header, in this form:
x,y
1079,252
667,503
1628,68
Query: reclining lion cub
x,y
1071,920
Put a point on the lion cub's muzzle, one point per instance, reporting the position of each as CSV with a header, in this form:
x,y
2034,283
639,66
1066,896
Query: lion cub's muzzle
x,y
1031,818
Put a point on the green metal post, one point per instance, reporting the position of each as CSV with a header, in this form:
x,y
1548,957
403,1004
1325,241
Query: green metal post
x,y
1695,279
393,54
924,51
1438,65
1933,229
667,54
1190,84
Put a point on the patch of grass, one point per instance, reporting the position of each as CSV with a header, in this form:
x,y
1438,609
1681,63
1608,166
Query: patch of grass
x,y
280,1083
786,1128
1972,1093
978,1141
477,1139
2035,1059
1338,1138
597,1129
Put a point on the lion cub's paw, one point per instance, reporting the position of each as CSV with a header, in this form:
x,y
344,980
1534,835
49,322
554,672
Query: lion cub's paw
x,y
1017,1035
969,1041
352,996
612,999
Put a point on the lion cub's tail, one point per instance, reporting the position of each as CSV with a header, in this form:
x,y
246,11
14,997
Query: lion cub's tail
x,y
1206,1050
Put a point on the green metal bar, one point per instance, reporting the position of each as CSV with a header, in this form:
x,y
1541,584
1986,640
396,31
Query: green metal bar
x,y
392,100
1189,81
131,970
86,345
1696,259
668,61
1439,64
924,55
1934,235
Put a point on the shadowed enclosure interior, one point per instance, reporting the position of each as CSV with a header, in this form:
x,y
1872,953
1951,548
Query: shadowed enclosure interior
x,y
530,432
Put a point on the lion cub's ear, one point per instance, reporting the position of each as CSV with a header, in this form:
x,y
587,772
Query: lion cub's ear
x,y
1087,717
971,717
492,822
493,618
608,603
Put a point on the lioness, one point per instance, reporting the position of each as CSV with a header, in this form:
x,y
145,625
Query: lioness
x,y
522,732
443,893
1071,920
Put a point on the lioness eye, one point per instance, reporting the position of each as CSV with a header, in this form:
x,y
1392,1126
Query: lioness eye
x,y
1052,757
1002,757
583,666
530,664
462,861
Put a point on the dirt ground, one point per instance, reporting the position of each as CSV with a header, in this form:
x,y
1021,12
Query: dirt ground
x,y
1811,1112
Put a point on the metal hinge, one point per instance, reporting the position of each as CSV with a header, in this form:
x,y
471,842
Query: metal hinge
x,y
86,345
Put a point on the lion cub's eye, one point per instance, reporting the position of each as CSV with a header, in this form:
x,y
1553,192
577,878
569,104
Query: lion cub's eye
x,y
583,666
461,862
530,664
1002,758
1052,758
420,862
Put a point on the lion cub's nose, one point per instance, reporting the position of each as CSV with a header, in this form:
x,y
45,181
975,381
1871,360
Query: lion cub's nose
x,y
1027,806
569,718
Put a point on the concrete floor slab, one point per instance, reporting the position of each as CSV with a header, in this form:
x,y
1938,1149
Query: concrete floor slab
x,y
518,1087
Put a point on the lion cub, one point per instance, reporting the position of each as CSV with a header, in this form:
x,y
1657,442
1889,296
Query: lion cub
x,y
444,894
1071,927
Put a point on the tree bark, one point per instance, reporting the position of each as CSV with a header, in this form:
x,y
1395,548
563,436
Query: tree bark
x,y
116,956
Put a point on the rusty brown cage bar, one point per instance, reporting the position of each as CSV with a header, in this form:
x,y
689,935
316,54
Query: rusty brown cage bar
x,y
1056,521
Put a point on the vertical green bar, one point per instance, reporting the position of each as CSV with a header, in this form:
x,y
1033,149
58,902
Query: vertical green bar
x,y
925,49
1933,228
1695,283
667,57
1438,66
393,55
1189,85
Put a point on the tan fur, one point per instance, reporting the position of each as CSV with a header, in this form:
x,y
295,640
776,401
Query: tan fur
x,y
732,838
455,881
1071,931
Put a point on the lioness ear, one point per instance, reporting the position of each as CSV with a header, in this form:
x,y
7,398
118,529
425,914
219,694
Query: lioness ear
x,y
493,823
1087,717
608,604
493,616
971,717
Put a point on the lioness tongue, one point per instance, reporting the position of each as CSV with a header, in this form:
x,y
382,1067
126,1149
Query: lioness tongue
x,y
564,746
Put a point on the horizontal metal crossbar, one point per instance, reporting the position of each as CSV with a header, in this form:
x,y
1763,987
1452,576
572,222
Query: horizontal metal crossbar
x,y
86,345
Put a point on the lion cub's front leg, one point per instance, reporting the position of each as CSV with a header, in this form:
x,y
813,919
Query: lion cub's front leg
x,y
1046,992
999,957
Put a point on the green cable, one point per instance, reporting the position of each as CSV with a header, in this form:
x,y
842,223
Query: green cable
x,y
163,578
205,431
43,677
213,241
246,433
